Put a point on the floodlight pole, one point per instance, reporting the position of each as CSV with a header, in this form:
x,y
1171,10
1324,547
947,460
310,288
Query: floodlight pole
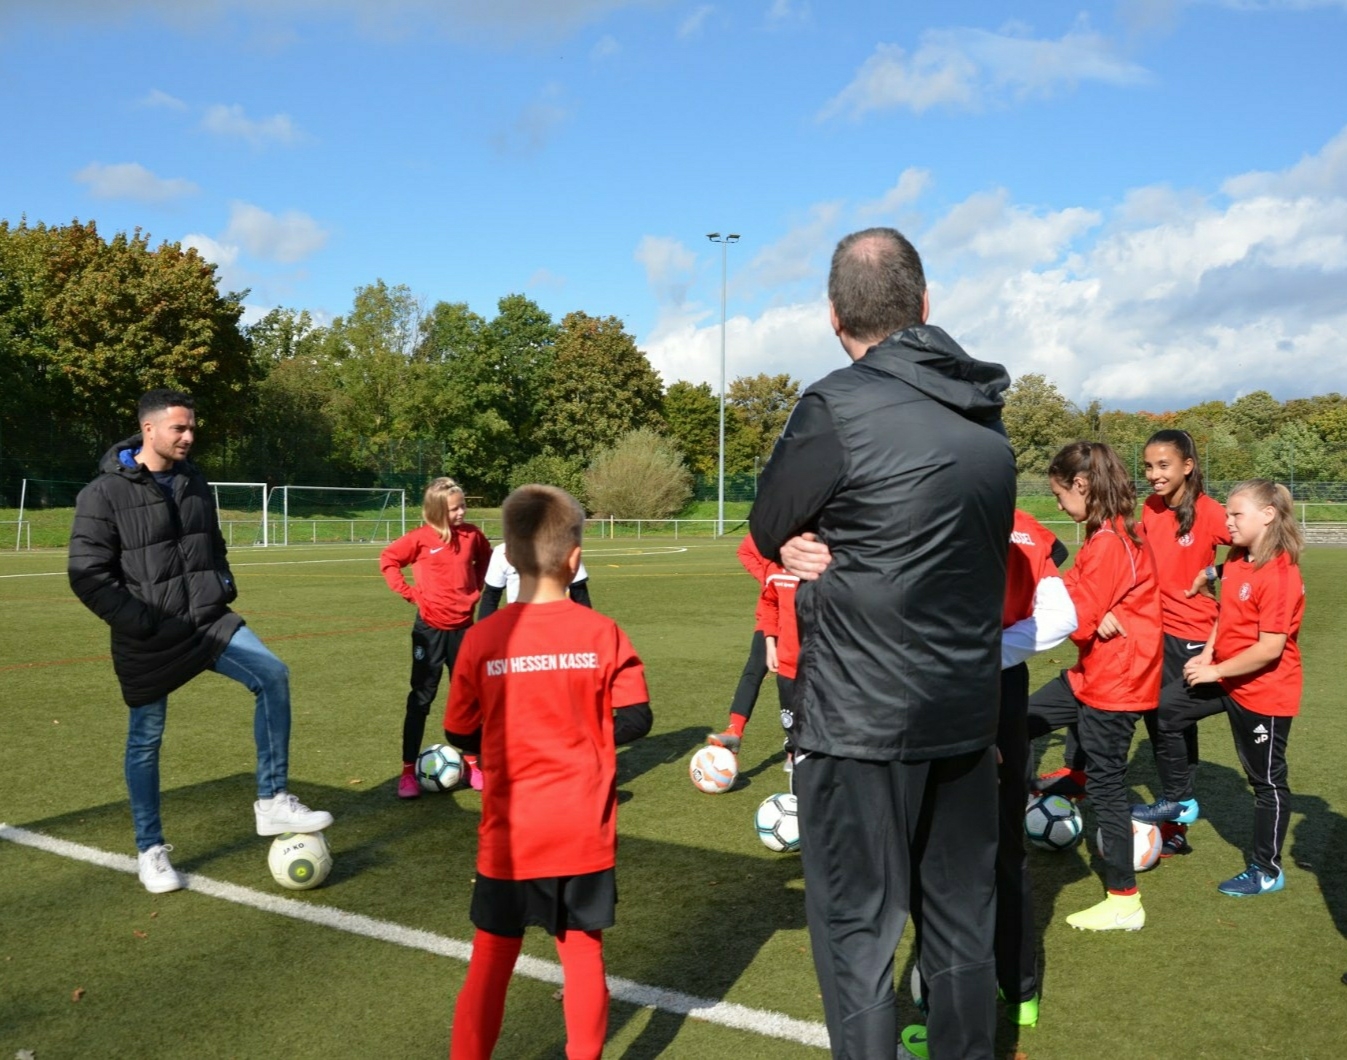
x,y
724,241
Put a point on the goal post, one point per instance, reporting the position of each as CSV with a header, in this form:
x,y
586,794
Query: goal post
x,y
241,508
335,514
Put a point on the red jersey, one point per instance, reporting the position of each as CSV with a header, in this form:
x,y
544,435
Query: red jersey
x,y
1266,599
1179,559
541,682
776,617
753,561
1113,574
448,575
1028,562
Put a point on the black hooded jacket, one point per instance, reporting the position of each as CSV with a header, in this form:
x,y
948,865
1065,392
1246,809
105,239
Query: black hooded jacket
x,y
900,464
156,575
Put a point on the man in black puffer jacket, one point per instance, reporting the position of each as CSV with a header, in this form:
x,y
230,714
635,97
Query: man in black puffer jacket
x,y
899,466
148,558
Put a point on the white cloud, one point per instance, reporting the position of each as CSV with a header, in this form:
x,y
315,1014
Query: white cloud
x,y
131,180
912,183
535,125
604,47
1168,299
781,13
669,268
162,100
800,254
286,238
230,120
225,255
693,25
973,68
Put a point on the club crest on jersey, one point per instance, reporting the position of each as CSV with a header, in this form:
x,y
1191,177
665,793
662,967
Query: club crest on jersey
x,y
1245,591
1186,540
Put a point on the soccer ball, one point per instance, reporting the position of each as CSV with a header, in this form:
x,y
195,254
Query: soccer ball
x,y
1146,842
1052,822
299,860
778,824
713,769
439,768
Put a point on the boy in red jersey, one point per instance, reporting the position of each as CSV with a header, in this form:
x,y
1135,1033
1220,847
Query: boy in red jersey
x,y
448,558
781,640
546,689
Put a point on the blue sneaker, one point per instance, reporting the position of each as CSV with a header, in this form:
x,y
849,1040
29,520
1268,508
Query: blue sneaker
x,y
1181,811
1252,881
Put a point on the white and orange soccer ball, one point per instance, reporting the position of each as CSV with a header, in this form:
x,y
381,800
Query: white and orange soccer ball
x,y
1146,842
713,769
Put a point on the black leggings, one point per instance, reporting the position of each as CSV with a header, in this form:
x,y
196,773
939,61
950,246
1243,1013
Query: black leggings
x,y
432,651
750,681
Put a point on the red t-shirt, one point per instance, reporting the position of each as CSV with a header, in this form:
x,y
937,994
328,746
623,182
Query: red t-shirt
x,y
752,560
776,617
1267,599
1113,574
541,681
1179,559
1028,562
448,575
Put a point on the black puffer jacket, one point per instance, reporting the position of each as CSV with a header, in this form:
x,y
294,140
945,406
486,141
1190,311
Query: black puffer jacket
x,y
158,577
900,464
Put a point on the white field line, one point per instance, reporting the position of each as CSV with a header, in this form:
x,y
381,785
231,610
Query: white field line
x,y
632,550
723,1013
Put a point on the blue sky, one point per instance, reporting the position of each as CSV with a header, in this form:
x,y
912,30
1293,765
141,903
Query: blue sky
x,y
1145,200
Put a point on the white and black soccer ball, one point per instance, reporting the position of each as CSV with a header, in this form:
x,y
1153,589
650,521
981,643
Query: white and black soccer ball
x,y
1052,822
299,860
778,823
713,769
1146,844
439,768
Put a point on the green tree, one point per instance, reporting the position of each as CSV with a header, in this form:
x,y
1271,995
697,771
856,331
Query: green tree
x,y
1294,454
641,477
692,413
600,387
1254,417
568,472
760,405
1039,420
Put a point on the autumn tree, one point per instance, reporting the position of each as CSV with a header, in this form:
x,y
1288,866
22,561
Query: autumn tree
x,y
692,413
1039,420
641,477
760,405
600,387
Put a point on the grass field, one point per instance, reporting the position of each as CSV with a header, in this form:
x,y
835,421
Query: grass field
x,y
92,965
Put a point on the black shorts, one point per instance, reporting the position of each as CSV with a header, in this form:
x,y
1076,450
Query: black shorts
x,y
553,903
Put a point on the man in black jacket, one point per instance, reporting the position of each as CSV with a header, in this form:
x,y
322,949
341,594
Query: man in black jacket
x,y
899,465
148,558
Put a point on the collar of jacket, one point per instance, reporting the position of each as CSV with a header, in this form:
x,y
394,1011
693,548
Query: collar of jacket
x,y
926,358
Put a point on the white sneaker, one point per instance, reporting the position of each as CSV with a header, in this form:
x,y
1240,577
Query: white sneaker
x,y
156,873
284,812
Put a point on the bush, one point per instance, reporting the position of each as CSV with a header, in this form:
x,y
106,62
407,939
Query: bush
x,y
641,477
549,470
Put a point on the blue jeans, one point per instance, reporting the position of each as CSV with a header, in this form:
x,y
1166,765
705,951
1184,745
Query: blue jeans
x,y
245,660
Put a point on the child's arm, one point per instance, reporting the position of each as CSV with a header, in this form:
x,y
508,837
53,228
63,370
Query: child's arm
x,y
631,722
1052,621
773,663
392,560
463,709
481,557
1261,654
1100,578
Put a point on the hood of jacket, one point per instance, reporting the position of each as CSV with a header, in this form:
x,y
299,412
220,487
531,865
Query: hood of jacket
x,y
926,358
120,459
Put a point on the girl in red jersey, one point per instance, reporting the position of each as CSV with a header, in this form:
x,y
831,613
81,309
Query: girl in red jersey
x,y
549,688
448,558
1250,670
755,667
1115,679
781,639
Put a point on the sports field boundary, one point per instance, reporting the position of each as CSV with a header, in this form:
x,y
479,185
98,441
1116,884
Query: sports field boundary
x,y
723,1013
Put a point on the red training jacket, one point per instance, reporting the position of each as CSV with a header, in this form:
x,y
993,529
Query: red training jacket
x,y
447,575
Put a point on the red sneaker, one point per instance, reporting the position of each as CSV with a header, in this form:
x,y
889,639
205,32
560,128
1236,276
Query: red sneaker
x,y
474,773
1065,781
408,788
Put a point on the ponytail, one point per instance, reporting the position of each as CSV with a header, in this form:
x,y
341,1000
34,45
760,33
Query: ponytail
x,y
1111,494
1183,444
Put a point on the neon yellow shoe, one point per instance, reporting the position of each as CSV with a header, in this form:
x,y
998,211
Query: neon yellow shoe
x,y
1023,1013
914,1041
1117,912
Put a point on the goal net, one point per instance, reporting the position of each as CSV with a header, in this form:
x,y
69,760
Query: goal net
x,y
335,515
242,508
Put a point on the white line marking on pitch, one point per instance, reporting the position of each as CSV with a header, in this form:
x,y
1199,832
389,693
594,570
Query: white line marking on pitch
x,y
724,1013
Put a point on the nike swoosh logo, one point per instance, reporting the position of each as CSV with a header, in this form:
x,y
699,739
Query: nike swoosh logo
x,y
434,550
1193,647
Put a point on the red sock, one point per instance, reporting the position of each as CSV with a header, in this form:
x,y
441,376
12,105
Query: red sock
x,y
481,1003
408,768
737,723
585,1000
1125,892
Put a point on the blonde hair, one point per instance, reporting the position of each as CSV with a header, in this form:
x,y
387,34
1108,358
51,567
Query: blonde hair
x,y
435,505
1282,534
541,526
